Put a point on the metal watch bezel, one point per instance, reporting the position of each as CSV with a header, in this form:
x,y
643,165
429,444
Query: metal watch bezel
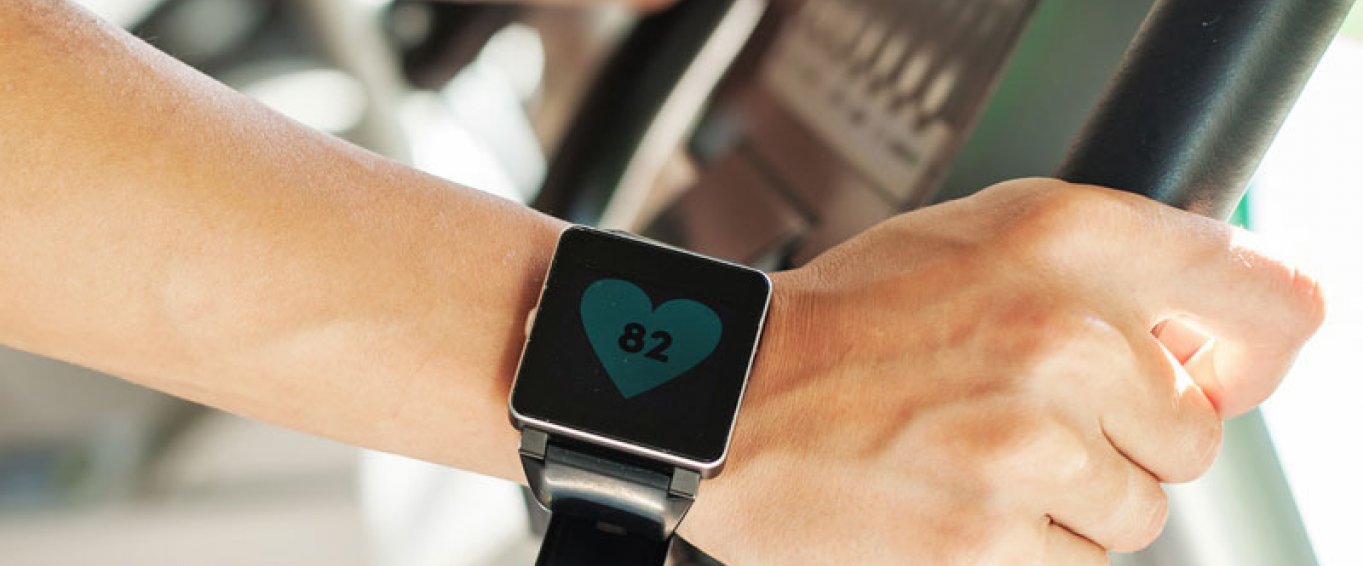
x,y
706,469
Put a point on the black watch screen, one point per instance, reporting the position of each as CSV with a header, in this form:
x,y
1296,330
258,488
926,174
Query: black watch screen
x,y
641,343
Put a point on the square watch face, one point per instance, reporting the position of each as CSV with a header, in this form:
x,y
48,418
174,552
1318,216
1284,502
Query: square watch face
x,y
641,344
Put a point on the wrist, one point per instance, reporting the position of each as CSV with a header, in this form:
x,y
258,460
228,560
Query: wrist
x,y
733,502
470,349
783,355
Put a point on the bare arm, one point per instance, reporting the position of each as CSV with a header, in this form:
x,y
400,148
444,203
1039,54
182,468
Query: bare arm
x,y
162,228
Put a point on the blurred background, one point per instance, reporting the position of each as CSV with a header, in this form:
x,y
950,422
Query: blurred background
x,y
93,470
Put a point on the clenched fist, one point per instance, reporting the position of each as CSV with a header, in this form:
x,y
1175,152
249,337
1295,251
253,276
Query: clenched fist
x,y
1002,379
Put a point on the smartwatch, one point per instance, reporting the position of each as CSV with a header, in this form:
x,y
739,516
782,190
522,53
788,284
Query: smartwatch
x,y
629,384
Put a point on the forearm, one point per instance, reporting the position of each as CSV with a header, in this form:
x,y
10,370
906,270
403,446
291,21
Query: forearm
x,y
164,229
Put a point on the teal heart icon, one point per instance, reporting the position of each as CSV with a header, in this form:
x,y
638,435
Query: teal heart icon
x,y
642,347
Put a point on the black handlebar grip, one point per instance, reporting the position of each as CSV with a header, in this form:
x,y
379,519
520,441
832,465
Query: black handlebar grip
x,y
1199,96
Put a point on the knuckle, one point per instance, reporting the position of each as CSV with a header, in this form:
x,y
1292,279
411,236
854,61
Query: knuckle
x,y
1024,189
1204,444
1063,222
1150,520
1137,515
1200,444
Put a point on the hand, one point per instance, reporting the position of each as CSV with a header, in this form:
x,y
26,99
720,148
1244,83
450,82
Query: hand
x,y
980,382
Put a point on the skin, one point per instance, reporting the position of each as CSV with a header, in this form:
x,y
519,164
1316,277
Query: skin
x,y
988,389
1006,378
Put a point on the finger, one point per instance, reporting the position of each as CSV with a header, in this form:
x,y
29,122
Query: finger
x,y
1158,417
1180,339
1201,365
1212,270
1260,308
1111,501
1179,264
1064,548
1240,374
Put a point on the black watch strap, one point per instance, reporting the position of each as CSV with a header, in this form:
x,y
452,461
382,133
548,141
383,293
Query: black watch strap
x,y
580,541
607,508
